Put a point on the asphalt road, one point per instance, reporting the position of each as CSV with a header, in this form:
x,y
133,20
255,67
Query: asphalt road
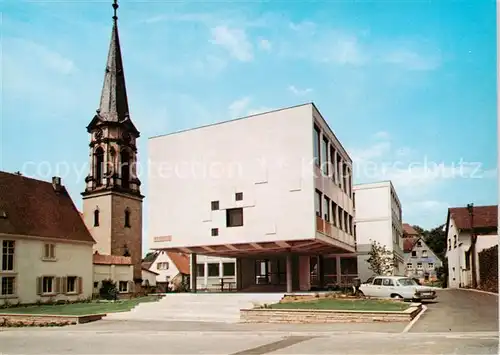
x,y
459,311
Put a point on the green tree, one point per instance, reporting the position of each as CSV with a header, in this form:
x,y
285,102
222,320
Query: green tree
x,y
381,260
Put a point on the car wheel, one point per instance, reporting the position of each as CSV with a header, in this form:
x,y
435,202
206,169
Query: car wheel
x,y
396,296
360,294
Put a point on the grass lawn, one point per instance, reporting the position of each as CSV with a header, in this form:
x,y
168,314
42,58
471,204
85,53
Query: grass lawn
x,y
339,304
78,309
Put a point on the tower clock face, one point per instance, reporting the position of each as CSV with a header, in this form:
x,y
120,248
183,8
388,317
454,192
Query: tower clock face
x,y
98,134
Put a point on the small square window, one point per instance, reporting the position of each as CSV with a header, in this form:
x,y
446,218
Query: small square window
x,y
239,196
71,284
413,254
215,232
215,205
234,217
96,284
123,286
49,251
48,284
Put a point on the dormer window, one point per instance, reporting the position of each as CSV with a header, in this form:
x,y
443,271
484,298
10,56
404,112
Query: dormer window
x,y
127,218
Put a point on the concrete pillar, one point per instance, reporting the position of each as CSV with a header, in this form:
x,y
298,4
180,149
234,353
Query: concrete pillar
x,y
339,272
205,273
321,271
194,274
238,274
289,273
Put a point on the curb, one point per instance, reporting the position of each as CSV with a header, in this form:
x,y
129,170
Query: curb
x,y
414,320
480,291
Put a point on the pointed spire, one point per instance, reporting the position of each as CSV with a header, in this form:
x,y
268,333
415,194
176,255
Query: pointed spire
x,y
114,103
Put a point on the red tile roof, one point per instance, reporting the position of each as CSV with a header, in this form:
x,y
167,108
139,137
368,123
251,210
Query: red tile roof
x,y
408,244
181,261
34,208
484,217
409,231
111,259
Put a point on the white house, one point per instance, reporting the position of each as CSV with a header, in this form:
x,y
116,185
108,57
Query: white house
x,y
118,269
458,241
378,219
420,260
46,250
171,269
273,190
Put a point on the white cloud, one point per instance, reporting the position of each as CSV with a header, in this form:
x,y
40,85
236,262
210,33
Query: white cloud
x,y
40,54
304,27
412,60
265,44
234,41
366,155
343,50
238,107
241,108
299,92
258,110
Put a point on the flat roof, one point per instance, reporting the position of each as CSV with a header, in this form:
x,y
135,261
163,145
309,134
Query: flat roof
x,y
233,120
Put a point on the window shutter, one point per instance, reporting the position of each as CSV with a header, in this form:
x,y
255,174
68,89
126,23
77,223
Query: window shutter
x,y
64,285
58,285
79,285
38,286
130,286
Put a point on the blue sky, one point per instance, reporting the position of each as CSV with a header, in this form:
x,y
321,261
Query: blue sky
x,y
399,82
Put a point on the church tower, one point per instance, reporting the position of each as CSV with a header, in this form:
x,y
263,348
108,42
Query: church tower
x,y
112,201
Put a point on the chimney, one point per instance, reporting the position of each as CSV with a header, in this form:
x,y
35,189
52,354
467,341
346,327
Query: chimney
x,y
56,183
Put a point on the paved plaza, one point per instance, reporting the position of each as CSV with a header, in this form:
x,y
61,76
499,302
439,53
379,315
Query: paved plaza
x,y
461,322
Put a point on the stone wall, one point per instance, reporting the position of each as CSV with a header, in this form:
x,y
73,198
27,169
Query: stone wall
x,y
488,269
7,319
325,316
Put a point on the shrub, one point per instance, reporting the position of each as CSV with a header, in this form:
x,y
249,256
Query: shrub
x,y
108,290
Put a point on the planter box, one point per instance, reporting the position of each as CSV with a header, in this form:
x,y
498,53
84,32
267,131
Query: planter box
x,y
43,319
268,315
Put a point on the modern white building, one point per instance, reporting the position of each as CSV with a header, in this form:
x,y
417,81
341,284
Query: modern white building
x,y
273,190
458,241
378,219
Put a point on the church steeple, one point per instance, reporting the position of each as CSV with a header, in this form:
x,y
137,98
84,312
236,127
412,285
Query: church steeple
x,y
113,154
112,201
114,103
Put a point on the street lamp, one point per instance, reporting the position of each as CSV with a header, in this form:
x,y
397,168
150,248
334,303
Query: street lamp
x,y
473,239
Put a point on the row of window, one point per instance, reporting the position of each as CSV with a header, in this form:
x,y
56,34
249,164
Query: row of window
x,y
162,266
51,285
409,266
127,218
330,162
8,250
332,213
228,269
423,255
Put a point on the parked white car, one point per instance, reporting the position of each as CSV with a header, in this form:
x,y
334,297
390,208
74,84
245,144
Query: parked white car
x,y
396,287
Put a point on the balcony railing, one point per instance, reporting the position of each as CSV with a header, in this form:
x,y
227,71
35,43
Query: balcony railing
x,y
328,229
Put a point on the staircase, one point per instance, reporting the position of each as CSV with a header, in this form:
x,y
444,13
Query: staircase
x,y
197,307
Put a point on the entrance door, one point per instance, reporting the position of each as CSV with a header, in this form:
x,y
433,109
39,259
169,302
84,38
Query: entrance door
x,y
314,270
262,274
